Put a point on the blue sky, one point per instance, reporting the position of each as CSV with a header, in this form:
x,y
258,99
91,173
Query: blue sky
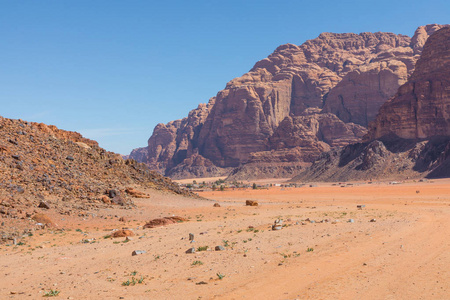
x,y
112,70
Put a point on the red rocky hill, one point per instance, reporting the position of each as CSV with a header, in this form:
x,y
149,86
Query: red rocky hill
x,y
43,166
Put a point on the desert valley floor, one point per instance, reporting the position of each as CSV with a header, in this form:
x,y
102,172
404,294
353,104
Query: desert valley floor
x,y
318,254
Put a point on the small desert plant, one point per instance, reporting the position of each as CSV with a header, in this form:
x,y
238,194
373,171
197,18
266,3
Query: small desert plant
x,y
128,282
203,248
51,293
310,250
197,263
225,243
220,276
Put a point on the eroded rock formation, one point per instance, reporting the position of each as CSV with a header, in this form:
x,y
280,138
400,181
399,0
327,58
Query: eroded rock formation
x,y
410,137
421,107
345,75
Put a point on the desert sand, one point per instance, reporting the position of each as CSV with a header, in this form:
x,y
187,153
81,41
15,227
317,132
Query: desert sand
x,y
403,254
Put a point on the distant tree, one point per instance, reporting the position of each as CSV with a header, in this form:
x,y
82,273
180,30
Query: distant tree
x,y
254,186
222,188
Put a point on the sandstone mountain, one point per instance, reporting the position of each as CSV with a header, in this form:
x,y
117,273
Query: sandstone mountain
x,y
44,166
344,77
410,136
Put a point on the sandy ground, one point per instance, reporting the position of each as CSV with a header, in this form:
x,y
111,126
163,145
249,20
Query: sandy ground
x,y
405,254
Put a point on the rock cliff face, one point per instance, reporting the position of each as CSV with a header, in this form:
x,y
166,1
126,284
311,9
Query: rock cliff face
x,y
296,143
421,107
346,75
410,136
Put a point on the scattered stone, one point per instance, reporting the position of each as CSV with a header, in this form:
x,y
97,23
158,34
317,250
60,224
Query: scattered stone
x,y
373,220
42,219
135,193
44,204
105,199
219,248
190,250
351,221
251,203
122,233
216,205
278,225
138,252
191,237
128,239
13,142
164,221
201,282
118,200
360,206
123,219
70,158
112,193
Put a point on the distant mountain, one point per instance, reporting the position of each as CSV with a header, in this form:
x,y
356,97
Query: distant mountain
x,y
410,136
289,108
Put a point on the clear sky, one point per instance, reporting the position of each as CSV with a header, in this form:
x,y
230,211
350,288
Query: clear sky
x,y
112,70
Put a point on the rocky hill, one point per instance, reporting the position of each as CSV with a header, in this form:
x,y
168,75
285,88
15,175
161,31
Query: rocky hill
x,y
410,136
43,166
345,77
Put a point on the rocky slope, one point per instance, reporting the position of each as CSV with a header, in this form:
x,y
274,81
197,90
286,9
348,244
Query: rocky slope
x,y
347,75
410,136
43,166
